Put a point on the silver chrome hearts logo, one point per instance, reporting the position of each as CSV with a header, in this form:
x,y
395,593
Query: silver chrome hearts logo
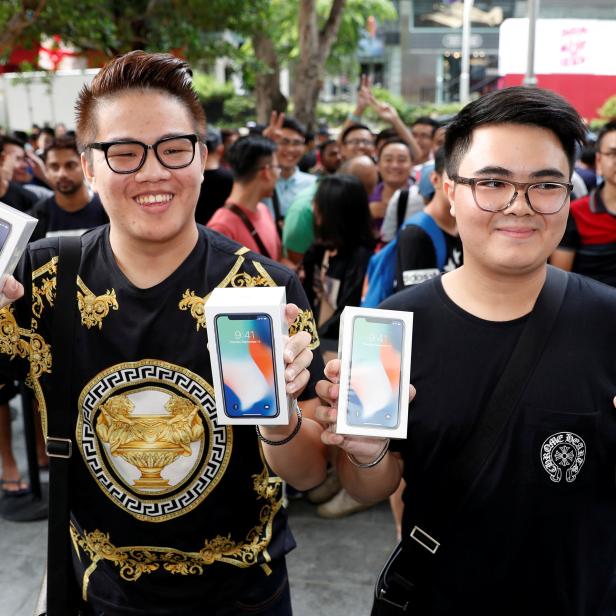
x,y
563,451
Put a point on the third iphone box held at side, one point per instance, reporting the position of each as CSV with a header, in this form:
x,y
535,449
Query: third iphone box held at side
x,y
375,366
246,330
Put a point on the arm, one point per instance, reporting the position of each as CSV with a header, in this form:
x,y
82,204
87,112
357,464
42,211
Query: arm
x,y
364,97
364,484
389,114
563,258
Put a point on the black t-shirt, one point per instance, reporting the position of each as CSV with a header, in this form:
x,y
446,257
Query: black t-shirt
x,y
216,187
591,232
537,533
53,220
168,507
416,257
18,197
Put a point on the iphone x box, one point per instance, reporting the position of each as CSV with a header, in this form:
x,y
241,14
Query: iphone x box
x,y
246,330
15,231
374,349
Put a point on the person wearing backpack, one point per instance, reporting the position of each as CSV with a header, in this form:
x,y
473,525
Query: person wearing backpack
x,y
424,253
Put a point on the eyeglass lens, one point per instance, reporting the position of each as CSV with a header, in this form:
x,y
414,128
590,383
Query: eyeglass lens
x,y
172,153
546,197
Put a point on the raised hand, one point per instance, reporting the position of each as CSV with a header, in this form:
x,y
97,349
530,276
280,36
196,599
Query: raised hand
x,y
275,126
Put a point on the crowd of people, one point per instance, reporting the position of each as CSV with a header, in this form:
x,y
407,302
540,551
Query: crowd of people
x,y
453,219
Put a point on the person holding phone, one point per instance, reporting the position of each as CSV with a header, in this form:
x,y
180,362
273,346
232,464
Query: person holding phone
x,y
191,513
534,531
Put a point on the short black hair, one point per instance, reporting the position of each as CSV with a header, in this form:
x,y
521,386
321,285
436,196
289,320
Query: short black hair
x,y
351,128
65,142
605,129
12,140
517,105
294,125
48,131
435,124
323,146
588,155
342,205
246,156
396,140
385,135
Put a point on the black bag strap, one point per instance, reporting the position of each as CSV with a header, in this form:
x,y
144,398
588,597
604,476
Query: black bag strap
x,y
278,217
237,210
60,576
418,549
401,209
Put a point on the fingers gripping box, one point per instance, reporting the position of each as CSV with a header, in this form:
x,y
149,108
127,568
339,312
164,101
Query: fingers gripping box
x,y
15,231
246,330
375,368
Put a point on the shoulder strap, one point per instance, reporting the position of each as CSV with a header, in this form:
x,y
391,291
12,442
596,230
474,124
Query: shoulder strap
x,y
251,229
278,217
428,224
420,546
403,199
60,428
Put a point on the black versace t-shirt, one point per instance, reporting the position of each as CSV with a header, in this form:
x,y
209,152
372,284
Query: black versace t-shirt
x,y
537,533
168,507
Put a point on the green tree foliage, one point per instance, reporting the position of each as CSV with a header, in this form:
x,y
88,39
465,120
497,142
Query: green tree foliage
x,y
608,109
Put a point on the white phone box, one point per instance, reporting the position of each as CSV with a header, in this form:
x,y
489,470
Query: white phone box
x,y
374,349
246,329
15,231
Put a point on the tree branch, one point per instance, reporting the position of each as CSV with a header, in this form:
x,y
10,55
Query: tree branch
x,y
330,29
19,22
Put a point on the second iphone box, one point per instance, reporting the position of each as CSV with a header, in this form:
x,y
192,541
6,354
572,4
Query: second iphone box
x,y
246,329
375,367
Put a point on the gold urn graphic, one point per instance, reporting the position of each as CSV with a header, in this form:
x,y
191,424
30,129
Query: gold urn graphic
x,y
149,442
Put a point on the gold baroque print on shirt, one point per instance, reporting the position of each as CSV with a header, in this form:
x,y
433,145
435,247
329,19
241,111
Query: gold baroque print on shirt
x,y
47,288
12,337
304,322
135,561
94,308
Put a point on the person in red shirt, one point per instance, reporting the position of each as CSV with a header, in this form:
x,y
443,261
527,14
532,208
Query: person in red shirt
x,y
245,218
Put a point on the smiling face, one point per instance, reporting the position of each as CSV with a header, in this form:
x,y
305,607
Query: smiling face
x,y
515,240
64,172
153,204
395,164
291,148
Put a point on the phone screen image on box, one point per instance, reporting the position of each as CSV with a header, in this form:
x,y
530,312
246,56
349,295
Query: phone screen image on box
x,y
5,229
247,364
376,365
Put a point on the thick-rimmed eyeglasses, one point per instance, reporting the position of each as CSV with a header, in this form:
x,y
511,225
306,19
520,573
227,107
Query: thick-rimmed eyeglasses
x,y
492,195
129,156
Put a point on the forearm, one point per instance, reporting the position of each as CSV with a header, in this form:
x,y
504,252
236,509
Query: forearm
x,y
405,134
370,484
302,461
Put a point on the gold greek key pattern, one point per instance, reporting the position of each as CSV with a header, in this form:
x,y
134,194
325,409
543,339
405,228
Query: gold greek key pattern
x,y
94,308
305,323
135,561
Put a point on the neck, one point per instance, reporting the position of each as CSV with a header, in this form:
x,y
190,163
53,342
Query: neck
x,y
147,263
246,195
287,172
440,211
493,296
212,162
73,202
608,194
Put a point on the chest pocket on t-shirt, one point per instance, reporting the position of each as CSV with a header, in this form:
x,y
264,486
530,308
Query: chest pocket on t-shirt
x,y
561,451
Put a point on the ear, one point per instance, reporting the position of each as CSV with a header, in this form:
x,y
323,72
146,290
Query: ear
x,y
88,168
203,152
449,189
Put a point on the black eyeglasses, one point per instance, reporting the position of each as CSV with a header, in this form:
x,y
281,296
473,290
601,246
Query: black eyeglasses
x,y
129,156
492,195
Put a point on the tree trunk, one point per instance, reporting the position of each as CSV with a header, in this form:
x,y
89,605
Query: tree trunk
x,y
314,48
267,83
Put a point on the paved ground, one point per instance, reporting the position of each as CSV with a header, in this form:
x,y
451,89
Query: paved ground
x,y
332,570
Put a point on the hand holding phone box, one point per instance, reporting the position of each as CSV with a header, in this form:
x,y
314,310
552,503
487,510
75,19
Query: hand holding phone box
x,y
246,329
375,353
15,231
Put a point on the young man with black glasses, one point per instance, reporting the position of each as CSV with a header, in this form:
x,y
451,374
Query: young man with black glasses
x,y
171,512
531,530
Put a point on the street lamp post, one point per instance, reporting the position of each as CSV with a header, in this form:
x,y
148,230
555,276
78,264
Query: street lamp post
x,y
466,52
530,79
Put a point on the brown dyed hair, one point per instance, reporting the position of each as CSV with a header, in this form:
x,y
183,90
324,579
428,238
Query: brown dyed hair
x,y
137,70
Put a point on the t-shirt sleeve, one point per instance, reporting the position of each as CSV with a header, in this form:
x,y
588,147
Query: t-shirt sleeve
x,y
571,238
305,322
416,257
298,230
390,222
